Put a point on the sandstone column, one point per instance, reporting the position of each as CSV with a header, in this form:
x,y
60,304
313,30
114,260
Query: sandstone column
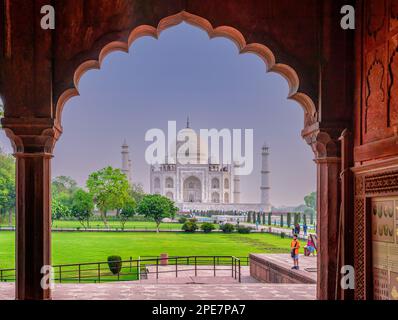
x,y
33,146
328,161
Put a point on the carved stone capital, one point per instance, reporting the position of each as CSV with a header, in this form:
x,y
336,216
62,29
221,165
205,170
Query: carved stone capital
x,y
32,135
324,142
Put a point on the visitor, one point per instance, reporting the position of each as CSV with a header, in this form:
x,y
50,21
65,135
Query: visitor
x,y
310,247
305,229
297,229
294,247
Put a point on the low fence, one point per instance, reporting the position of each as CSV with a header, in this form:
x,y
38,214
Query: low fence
x,y
137,269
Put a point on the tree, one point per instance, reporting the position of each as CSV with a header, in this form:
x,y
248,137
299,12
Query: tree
x,y
63,184
157,207
281,221
295,218
269,218
127,211
289,219
82,207
310,212
137,192
310,200
59,210
62,189
7,185
109,188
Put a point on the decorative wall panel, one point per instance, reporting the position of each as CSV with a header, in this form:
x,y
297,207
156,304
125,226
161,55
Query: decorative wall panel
x,y
385,247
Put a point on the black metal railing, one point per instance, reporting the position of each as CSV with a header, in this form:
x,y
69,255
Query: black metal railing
x,y
142,268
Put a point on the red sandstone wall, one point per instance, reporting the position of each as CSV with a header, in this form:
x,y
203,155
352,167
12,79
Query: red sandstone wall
x,y
376,148
377,94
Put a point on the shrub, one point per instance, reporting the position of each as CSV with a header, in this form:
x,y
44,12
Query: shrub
x,y
182,220
189,226
227,228
207,227
283,235
115,264
242,229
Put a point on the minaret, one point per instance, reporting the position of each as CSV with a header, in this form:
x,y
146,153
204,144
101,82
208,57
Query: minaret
x,y
265,176
126,161
236,185
130,175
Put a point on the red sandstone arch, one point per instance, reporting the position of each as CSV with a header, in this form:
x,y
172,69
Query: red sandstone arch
x,y
262,51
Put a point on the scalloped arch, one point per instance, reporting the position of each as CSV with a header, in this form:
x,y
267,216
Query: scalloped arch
x,y
222,31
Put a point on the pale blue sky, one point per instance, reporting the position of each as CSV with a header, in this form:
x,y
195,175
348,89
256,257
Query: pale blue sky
x,y
184,73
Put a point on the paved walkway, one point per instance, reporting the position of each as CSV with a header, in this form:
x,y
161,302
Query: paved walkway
x,y
137,291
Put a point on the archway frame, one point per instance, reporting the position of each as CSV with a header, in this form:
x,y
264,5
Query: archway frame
x,y
261,50
34,137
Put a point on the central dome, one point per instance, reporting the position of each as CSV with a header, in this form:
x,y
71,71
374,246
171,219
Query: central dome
x,y
189,148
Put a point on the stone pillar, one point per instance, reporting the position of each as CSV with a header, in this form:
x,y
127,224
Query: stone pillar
x,y
328,161
33,216
328,192
33,148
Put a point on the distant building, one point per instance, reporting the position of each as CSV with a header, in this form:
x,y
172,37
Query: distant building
x,y
200,185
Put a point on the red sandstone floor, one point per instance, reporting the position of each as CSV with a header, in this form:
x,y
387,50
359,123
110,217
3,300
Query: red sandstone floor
x,y
141,291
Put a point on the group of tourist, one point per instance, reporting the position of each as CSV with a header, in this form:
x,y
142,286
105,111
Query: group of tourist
x,y
296,229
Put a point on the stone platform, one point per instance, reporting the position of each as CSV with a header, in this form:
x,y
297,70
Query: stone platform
x,y
204,274
277,268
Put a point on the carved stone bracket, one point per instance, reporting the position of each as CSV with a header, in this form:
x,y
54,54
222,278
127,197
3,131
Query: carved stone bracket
x,y
324,142
32,135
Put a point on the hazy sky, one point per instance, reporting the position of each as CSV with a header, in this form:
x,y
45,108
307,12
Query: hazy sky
x,y
181,74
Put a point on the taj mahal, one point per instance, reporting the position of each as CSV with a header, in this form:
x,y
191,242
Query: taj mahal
x,y
198,184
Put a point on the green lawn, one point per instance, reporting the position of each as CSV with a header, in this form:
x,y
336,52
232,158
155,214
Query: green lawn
x,y
116,224
80,247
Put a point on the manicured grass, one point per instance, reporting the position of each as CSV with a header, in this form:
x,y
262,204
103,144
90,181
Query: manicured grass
x,y
80,247
149,225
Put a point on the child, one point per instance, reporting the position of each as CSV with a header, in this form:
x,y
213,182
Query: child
x,y
294,247
310,247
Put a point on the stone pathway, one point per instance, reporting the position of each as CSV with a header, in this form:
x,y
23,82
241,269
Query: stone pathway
x,y
140,291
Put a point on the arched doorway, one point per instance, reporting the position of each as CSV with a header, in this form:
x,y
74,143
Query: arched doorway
x,y
192,189
169,182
